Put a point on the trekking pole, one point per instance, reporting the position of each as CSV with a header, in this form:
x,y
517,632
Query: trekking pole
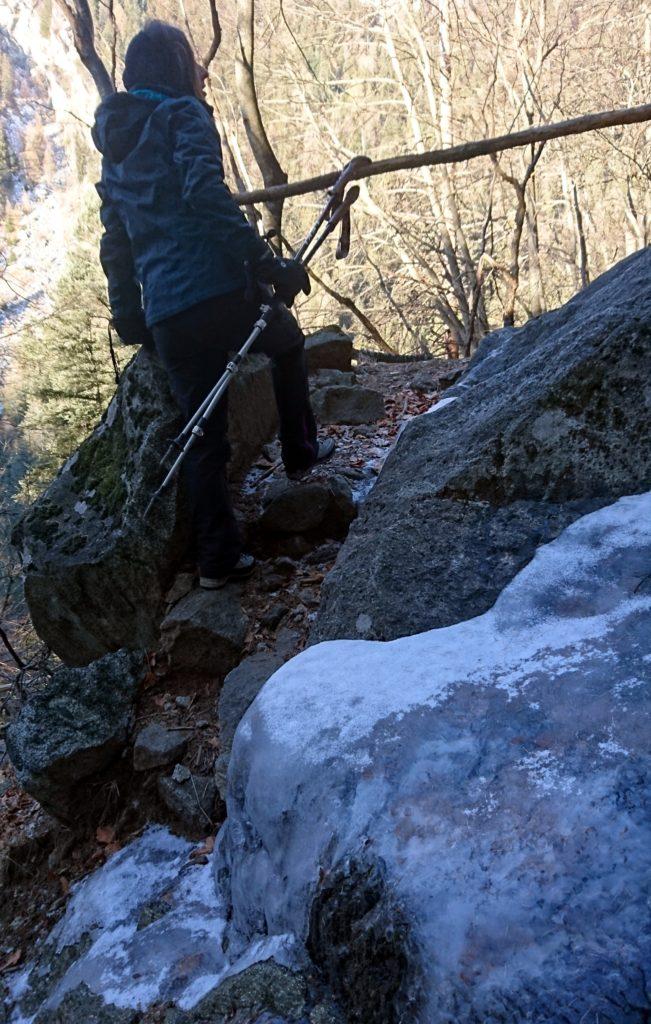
x,y
336,211
195,428
336,195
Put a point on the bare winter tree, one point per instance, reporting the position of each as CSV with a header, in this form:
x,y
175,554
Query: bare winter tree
x,y
80,20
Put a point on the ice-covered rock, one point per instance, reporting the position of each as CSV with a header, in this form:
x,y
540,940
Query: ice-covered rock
x,y
457,823
550,421
146,929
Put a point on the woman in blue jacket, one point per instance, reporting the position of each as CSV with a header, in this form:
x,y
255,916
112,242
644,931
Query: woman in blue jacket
x,y
174,252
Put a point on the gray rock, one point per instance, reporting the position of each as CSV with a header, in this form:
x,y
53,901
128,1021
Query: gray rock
x,y
274,615
456,824
324,378
325,505
82,1005
329,349
205,632
356,404
241,687
256,995
96,572
191,800
72,730
548,422
156,746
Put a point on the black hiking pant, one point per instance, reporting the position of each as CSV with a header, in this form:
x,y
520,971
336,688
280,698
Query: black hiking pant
x,y
194,347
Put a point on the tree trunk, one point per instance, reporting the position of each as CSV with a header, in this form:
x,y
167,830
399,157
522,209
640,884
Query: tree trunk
x,y
80,20
272,172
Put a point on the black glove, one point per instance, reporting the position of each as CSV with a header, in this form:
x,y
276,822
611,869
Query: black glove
x,y
132,330
287,277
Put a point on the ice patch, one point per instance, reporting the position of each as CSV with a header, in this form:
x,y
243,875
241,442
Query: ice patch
x,y
154,925
448,400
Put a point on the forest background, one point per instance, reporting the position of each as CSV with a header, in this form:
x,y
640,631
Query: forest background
x,y
439,256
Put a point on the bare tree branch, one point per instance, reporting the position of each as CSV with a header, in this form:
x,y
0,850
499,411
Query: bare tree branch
x,y
216,35
456,154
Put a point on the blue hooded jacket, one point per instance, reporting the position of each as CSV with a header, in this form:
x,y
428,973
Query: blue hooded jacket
x,y
171,226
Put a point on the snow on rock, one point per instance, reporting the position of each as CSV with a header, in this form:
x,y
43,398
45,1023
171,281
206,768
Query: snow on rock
x,y
457,823
144,927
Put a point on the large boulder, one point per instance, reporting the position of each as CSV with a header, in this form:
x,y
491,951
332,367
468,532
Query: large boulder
x,y
456,824
70,731
550,421
96,569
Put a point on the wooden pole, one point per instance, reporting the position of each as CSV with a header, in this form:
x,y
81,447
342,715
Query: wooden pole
x,y
456,154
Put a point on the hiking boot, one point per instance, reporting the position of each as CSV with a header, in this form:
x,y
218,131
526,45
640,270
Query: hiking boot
x,y
324,450
240,571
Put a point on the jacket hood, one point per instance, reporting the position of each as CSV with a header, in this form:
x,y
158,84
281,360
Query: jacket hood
x,y
119,123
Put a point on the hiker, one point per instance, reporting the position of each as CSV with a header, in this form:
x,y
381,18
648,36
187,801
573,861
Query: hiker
x,y
176,242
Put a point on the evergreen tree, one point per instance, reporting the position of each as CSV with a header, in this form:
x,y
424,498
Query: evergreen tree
x,y
64,376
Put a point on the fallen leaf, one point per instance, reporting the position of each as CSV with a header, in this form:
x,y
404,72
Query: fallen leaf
x,y
207,847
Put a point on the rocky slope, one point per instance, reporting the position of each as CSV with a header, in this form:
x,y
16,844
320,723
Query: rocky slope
x,y
451,824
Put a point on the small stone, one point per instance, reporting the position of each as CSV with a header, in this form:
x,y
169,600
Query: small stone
x,y
308,598
190,801
183,701
181,773
363,623
274,615
325,506
156,746
273,581
326,378
203,723
324,553
182,585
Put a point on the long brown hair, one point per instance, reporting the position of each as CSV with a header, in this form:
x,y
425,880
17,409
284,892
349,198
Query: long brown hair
x,y
160,56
